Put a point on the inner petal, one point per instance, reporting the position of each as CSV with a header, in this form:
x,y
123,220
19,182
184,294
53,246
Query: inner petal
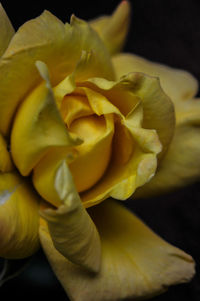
x,y
94,152
74,107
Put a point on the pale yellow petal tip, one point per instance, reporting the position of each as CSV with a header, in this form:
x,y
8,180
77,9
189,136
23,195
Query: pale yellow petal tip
x,y
65,187
113,29
181,269
44,72
125,6
122,13
76,21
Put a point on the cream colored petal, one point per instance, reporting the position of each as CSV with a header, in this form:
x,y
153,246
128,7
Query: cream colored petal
x,y
181,164
178,84
37,128
136,263
73,233
113,29
6,30
19,217
60,46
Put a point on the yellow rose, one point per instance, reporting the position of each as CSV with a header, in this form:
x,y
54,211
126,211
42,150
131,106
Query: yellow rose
x,y
177,167
72,134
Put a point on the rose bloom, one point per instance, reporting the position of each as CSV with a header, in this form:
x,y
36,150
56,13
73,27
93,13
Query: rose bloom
x,y
81,123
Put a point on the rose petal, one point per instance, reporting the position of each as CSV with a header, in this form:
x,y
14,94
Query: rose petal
x,y
74,107
38,127
144,105
18,217
73,233
6,30
94,153
113,29
158,110
177,84
181,165
60,46
86,167
136,263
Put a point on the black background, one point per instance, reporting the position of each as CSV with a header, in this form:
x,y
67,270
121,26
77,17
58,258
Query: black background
x,y
163,31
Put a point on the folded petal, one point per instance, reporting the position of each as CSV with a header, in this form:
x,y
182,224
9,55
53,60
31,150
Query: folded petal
x,y
181,164
6,30
72,231
158,110
136,263
37,128
60,46
144,105
113,29
18,217
177,84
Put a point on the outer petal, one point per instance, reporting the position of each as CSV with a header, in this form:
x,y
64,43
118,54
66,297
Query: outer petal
x,y
177,84
6,30
18,217
113,30
135,262
73,233
60,46
181,165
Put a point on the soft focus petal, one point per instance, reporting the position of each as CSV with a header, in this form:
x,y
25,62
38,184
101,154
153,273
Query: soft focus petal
x,y
177,84
6,30
60,46
113,29
37,128
73,233
181,165
136,263
18,217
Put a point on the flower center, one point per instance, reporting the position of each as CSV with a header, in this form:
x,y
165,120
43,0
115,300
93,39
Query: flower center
x,y
96,132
